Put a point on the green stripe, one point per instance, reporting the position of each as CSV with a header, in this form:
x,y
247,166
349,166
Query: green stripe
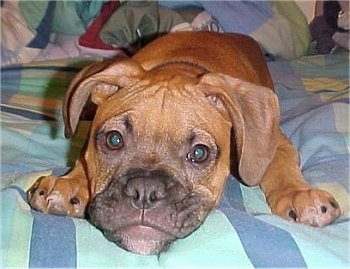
x,y
215,244
94,250
316,256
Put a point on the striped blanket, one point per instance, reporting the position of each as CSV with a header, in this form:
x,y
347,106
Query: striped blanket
x,y
241,232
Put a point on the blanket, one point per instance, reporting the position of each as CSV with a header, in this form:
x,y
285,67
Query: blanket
x,y
314,96
37,30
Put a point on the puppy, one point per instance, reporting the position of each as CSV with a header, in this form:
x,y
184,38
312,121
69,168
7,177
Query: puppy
x,y
171,124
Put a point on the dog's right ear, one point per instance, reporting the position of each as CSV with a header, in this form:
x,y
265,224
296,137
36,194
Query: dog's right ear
x,y
97,82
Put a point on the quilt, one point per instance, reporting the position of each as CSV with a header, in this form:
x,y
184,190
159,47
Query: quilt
x,y
314,99
38,30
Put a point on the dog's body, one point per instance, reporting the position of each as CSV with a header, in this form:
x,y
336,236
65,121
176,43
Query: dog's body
x,y
171,124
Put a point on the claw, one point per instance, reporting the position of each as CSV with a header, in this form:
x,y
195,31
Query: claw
x,y
293,214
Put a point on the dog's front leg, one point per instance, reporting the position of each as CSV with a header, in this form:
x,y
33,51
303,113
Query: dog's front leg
x,y
65,195
290,197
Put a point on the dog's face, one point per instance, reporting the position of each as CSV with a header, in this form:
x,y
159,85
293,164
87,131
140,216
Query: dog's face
x,y
159,151
161,159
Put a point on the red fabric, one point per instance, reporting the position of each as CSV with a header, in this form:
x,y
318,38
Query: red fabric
x,y
91,37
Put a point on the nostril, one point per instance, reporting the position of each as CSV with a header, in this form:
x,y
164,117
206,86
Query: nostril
x,y
153,197
137,202
144,193
137,195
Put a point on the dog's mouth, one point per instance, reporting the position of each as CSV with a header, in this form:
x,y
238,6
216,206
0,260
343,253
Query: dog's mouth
x,y
145,214
141,239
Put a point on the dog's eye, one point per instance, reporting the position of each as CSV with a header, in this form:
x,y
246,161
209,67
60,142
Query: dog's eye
x,y
114,140
198,154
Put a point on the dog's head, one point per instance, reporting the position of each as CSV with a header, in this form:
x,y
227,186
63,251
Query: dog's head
x,y
162,145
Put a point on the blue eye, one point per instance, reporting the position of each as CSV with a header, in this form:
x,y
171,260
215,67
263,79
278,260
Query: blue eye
x,y
198,154
114,140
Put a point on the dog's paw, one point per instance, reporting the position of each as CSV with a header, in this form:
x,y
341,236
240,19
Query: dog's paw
x,y
58,196
312,207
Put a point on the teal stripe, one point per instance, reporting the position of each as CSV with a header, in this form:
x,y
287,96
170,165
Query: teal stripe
x,y
94,250
15,231
215,244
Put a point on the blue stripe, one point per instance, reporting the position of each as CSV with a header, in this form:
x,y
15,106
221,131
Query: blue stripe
x,y
19,68
232,196
10,83
266,245
232,15
20,191
43,30
26,113
60,171
53,242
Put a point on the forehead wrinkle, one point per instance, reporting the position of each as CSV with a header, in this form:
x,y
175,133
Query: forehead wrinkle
x,y
161,117
179,115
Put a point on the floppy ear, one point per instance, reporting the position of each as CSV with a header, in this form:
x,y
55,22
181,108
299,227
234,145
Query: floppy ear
x,y
254,114
97,82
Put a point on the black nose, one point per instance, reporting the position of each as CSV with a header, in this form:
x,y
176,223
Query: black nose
x,y
145,193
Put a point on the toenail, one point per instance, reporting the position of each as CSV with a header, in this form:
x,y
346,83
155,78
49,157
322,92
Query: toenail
x,y
32,190
334,204
74,201
323,209
292,214
41,192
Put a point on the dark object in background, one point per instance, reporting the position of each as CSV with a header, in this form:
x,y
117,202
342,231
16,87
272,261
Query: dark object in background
x,y
328,28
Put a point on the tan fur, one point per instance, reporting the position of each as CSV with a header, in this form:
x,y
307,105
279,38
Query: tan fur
x,y
216,83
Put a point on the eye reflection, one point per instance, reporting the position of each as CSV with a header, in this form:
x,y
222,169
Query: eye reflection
x,y
198,154
114,140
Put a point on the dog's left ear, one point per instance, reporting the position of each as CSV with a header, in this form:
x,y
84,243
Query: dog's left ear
x,y
96,83
254,113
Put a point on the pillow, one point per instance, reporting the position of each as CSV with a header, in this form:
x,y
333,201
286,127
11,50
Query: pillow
x,y
279,27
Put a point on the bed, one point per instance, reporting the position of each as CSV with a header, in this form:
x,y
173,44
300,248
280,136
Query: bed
x,y
313,92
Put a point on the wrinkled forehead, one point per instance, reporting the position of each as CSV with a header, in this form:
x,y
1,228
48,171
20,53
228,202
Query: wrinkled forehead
x,y
164,106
